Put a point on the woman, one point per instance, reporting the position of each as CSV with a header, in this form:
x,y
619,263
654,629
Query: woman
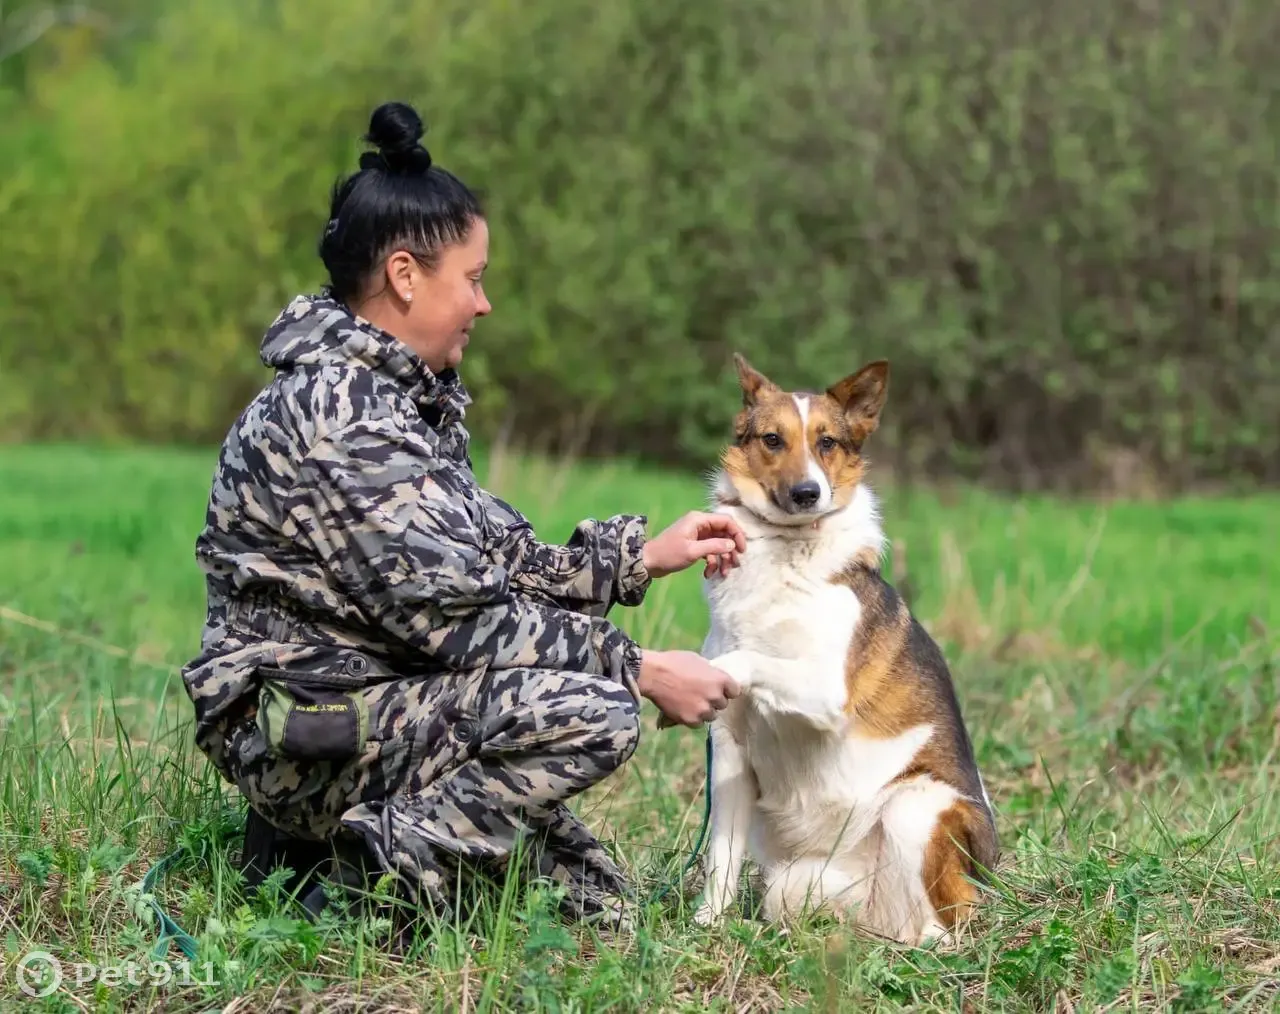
x,y
391,659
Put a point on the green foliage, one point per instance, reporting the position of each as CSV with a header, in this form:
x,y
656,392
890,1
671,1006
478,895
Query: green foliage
x,y
1060,227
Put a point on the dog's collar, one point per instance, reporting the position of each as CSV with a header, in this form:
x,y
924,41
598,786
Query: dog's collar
x,y
773,531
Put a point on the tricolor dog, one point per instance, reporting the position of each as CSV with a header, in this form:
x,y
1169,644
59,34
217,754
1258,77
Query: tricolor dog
x,y
844,769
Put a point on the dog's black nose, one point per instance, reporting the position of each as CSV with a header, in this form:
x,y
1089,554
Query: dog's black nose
x,y
805,494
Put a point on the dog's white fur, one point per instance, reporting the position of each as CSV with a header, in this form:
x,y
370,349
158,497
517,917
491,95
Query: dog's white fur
x,y
811,800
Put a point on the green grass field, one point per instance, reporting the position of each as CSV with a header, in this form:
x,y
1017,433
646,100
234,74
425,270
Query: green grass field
x,y
1116,663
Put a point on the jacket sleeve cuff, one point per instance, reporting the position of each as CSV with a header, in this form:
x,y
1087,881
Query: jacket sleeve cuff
x,y
632,580
631,658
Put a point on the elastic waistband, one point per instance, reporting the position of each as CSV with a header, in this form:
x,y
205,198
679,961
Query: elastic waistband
x,y
267,618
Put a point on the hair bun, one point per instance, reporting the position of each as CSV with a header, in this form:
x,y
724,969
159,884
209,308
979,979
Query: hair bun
x,y
395,129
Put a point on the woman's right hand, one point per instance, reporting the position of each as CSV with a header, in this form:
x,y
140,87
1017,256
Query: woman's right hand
x,y
686,688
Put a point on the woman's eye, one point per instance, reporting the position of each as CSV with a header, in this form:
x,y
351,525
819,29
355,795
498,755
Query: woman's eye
x,y
772,441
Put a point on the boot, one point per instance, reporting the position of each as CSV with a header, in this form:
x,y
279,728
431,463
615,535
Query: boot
x,y
267,848
350,868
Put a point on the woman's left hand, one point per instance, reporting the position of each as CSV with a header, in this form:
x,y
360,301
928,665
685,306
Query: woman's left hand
x,y
716,538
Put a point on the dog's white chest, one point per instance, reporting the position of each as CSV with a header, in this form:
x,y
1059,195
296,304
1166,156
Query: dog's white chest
x,y
782,602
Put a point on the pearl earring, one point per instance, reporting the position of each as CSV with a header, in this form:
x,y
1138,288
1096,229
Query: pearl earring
x,y
408,298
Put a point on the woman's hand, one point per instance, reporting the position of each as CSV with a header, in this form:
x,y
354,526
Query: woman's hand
x,y
686,688
716,538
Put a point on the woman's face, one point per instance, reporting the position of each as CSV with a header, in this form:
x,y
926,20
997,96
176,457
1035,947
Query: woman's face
x,y
435,310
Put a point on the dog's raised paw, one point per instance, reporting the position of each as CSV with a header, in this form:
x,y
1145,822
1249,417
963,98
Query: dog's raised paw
x,y
736,665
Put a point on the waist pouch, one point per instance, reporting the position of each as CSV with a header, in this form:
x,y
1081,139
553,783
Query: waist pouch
x,y
312,723
314,708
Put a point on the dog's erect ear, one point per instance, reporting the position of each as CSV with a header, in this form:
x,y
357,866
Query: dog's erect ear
x,y
754,383
862,396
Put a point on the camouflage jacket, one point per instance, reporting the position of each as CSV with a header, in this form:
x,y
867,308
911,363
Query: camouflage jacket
x,y
344,514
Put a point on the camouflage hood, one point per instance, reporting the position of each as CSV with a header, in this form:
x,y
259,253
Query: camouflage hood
x,y
319,331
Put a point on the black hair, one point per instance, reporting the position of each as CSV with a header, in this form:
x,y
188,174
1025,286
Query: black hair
x,y
399,199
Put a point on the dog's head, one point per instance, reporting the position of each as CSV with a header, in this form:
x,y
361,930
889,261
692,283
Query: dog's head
x,y
797,456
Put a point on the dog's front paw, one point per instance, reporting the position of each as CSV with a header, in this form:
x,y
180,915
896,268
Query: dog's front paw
x,y
736,665
706,914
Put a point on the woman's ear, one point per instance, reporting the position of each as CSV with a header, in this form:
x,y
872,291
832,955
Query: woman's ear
x,y
401,269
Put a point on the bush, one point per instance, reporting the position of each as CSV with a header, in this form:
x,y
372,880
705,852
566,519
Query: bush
x,y
1058,223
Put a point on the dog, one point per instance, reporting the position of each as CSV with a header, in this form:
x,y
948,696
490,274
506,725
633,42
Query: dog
x,y
844,768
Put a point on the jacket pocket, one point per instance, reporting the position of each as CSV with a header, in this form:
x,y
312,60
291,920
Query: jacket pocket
x,y
305,721
316,709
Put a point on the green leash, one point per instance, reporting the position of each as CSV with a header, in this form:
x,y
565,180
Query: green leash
x,y
170,931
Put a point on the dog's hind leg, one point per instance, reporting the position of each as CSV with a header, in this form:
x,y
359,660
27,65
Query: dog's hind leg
x,y
733,804
920,891
804,886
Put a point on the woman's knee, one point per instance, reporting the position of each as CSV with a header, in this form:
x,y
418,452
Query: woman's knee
x,y
570,715
601,725
618,727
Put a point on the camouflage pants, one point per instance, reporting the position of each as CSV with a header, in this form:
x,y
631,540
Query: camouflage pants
x,y
455,768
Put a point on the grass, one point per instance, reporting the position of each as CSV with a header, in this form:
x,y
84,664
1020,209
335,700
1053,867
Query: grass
x,y
1116,663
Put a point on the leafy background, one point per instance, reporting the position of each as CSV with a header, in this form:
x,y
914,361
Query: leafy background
x,y
1059,223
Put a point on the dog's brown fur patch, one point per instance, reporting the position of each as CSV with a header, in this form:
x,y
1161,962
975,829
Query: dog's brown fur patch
x,y
862,395
867,558
768,415
961,841
897,679
878,698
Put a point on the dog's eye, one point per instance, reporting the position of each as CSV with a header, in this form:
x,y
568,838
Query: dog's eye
x,y
771,441
826,444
